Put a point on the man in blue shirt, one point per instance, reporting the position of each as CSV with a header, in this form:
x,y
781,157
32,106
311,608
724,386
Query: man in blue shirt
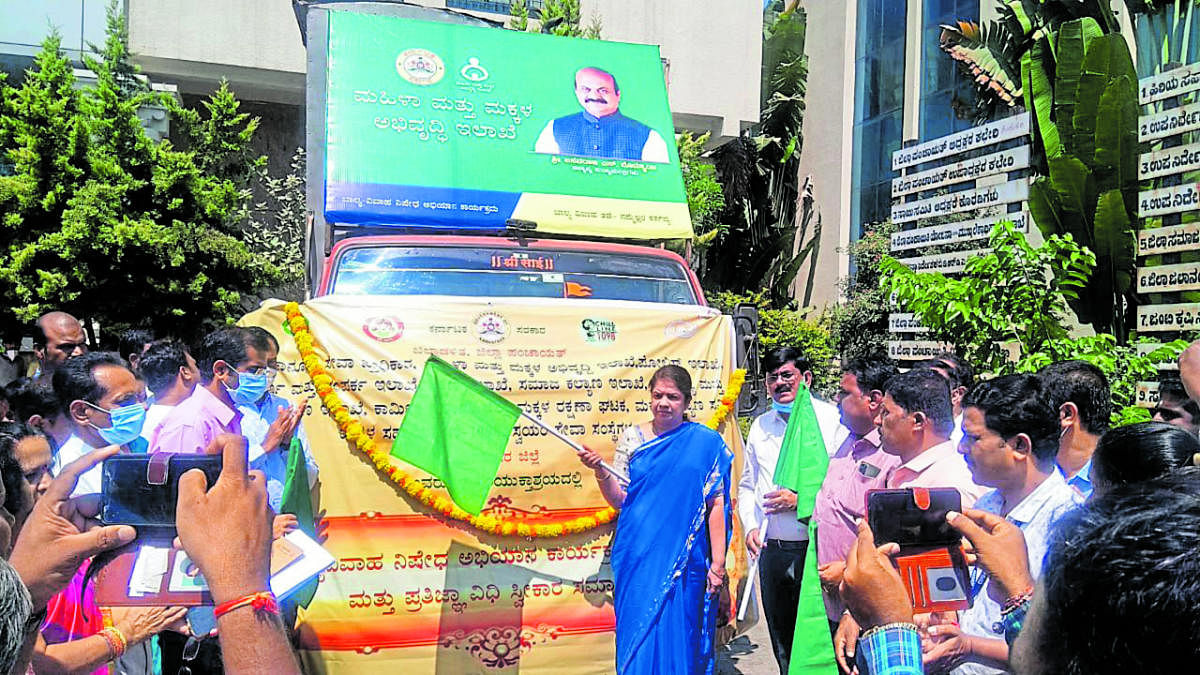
x,y
267,453
1079,393
1010,439
600,130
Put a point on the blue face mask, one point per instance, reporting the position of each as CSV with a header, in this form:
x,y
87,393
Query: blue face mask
x,y
127,422
782,408
251,388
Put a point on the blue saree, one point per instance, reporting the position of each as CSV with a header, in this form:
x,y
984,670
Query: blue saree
x,y
661,553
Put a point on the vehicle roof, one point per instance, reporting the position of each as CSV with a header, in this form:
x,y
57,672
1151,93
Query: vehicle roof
x,y
499,242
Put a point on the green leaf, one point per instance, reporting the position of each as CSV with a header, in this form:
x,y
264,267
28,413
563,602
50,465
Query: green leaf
x,y
1039,96
1073,38
1116,138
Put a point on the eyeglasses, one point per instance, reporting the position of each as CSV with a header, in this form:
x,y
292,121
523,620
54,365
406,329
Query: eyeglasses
x,y
786,376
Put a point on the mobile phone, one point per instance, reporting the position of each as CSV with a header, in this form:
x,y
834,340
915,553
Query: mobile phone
x,y
201,621
930,562
141,490
913,517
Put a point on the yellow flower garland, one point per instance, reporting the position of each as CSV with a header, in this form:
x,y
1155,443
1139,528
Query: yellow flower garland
x,y
356,434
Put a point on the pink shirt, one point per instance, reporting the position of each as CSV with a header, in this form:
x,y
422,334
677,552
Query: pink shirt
x,y
940,466
857,466
193,424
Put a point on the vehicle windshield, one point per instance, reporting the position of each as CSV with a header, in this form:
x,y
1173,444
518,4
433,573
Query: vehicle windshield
x,y
505,272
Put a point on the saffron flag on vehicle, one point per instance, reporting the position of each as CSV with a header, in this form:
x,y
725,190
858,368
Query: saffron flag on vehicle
x,y
456,429
803,461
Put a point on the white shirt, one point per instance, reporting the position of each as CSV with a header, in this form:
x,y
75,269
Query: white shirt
x,y
73,449
155,415
758,471
956,433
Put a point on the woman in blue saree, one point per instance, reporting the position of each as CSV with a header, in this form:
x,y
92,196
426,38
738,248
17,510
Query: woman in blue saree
x,y
668,555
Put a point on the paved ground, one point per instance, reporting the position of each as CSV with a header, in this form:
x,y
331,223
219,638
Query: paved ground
x,y
748,654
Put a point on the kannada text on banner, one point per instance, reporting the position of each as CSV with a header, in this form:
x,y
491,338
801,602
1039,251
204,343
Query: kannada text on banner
x,y
575,135
414,588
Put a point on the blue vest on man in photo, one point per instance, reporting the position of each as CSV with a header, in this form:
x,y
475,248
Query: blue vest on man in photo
x,y
612,136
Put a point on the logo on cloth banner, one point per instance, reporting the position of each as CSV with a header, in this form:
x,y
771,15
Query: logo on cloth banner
x,y
597,331
383,328
490,327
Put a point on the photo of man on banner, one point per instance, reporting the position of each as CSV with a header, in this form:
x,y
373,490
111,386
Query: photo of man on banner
x,y
600,130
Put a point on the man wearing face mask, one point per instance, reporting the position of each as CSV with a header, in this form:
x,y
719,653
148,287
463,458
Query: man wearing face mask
x,y
232,372
106,405
257,419
768,512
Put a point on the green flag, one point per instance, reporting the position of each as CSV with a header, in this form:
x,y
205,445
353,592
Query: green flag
x,y
297,500
803,460
456,429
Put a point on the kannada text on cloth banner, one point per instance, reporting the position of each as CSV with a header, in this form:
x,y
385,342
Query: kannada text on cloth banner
x,y
448,126
416,589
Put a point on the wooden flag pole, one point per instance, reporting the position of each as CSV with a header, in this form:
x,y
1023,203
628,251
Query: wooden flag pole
x,y
621,478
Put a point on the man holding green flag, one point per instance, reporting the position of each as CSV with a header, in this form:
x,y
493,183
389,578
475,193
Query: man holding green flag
x,y
783,456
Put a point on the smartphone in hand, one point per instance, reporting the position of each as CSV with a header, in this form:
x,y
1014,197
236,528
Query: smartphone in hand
x,y
141,489
931,560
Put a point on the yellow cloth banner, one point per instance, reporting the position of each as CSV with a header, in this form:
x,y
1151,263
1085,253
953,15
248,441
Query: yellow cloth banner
x,y
416,590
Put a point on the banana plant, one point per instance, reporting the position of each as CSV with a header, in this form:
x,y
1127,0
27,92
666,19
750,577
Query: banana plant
x,y
991,54
1079,82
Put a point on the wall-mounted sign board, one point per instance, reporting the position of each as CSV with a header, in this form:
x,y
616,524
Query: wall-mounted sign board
x,y
1168,278
968,139
905,323
944,263
1173,199
1169,83
1169,122
952,233
958,202
968,169
1172,317
916,350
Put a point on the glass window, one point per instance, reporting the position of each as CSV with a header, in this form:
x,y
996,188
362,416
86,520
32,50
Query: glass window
x,y
941,80
878,107
505,272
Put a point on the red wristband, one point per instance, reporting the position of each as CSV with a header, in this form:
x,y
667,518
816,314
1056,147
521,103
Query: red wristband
x,y
263,601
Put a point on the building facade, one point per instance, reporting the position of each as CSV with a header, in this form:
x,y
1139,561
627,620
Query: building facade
x,y
878,80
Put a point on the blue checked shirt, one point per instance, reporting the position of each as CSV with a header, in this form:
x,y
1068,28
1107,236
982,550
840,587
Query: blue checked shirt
x,y
891,651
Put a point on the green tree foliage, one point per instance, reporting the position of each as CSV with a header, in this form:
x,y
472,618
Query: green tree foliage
x,y
782,327
1006,313
1015,294
565,18
990,54
518,12
276,230
100,220
705,200
858,326
760,173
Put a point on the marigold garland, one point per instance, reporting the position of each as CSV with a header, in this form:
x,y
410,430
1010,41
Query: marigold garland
x,y
356,434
